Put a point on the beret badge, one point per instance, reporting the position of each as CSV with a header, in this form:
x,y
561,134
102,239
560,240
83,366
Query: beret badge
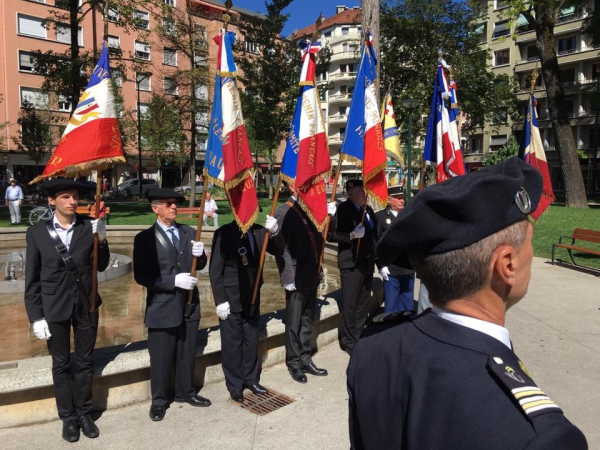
x,y
523,201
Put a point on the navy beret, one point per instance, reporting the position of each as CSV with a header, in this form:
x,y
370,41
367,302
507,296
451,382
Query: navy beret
x,y
56,185
163,194
462,210
353,183
396,190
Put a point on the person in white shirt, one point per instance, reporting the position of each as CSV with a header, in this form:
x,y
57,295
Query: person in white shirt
x,y
210,210
13,199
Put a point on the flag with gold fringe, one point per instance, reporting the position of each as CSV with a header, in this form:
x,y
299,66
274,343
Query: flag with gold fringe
x,y
228,158
390,130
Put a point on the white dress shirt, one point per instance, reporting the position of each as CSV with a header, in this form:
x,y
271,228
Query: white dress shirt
x,y
65,234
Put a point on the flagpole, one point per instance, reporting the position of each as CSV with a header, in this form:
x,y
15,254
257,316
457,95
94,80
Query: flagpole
x,y
328,220
263,251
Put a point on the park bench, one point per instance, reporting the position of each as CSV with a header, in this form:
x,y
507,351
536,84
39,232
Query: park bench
x,y
86,210
579,235
191,213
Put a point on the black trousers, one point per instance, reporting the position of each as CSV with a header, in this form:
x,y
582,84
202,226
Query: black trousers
x,y
168,346
356,293
73,390
239,349
299,317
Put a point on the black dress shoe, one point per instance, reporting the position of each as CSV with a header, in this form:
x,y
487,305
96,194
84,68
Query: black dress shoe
x,y
70,431
88,427
298,375
314,370
157,413
196,400
256,388
237,396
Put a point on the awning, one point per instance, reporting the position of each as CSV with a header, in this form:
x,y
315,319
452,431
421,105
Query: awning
x,y
522,21
566,11
500,26
480,28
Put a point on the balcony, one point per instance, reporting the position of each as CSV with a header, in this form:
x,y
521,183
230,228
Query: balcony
x,y
340,98
347,55
336,140
342,76
338,118
342,38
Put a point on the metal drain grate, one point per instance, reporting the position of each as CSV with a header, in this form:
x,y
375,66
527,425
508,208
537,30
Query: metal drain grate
x,y
263,404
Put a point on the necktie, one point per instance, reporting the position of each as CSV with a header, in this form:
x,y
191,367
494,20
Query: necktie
x,y
174,239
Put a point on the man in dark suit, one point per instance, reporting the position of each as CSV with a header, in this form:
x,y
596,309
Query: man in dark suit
x,y
233,268
355,234
398,282
449,378
55,301
299,277
162,261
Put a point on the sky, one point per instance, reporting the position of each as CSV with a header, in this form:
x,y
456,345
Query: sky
x,y
302,12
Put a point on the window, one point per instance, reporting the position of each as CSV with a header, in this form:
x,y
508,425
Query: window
x,y
343,110
143,110
169,27
143,81
481,31
141,19
532,53
498,141
342,133
201,93
202,119
201,145
501,57
63,104
501,4
31,26
169,2
499,117
327,34
323,95
117,76
250,46
345,31
501,29
35,96
169,57
200,60
567,75
476,144
170,86
567,45
26,61
142,50
347,68
344,89
114,44
63,34
113,15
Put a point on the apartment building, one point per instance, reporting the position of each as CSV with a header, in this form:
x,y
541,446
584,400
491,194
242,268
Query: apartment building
x,y
22,31
513,47
341,33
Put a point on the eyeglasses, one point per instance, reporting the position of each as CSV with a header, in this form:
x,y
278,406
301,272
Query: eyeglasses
x,y
168,203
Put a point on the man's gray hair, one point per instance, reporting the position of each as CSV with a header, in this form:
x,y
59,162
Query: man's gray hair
x,y
460,273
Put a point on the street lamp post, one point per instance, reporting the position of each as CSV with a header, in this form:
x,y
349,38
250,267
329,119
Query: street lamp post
x,y
410,105
138,80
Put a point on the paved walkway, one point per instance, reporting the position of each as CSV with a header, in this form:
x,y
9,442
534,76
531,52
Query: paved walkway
x,y
555,330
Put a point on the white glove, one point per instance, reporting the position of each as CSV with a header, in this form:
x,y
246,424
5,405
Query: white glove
x,y
358,232
41,330
271,225
290,287
99,228
385,273
185,281
197,248
331,208
223,310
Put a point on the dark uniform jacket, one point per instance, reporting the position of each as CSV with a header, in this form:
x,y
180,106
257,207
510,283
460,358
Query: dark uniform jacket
x,y
155,267
429,383
385,217
50,292
298,264
348,216
230,279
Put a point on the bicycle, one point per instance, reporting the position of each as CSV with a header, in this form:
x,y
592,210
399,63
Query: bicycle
x,y
40,214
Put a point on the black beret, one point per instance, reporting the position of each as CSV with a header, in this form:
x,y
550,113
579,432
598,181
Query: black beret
x,y
353,183
396,190
462,210
163,194
56,185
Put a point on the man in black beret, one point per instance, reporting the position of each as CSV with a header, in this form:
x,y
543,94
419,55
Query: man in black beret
x,y
58,280
162,261
398,282
449,377
354,228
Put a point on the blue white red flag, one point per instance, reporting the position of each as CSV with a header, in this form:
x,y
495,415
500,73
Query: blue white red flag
x,y
364,141
92,136
228,157
442,145
306,161
532,151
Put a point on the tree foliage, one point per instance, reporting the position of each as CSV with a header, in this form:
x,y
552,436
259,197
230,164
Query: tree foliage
x,y
412,32
506,152
34,138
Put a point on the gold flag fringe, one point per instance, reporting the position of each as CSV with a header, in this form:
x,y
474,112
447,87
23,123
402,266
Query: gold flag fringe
x,y
243,226
352,159
319,226
287,178
394,156
75,170
228,74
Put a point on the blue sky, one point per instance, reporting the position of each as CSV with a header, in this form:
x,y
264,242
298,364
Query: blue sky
x,y
302,12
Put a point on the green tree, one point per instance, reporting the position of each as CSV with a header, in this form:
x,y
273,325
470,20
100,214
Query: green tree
x,y
542,15
270,67
506,152
34,138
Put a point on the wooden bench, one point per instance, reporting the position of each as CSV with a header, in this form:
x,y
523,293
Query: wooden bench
x,y
86,210
191,213
581,235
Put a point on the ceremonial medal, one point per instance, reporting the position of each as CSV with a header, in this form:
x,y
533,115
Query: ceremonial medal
x,y
242,252
388,221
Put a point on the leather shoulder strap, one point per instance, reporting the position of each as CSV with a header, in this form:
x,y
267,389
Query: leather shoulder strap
x,y
168,248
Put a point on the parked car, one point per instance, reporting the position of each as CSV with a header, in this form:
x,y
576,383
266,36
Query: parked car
x,y
187,189
132,187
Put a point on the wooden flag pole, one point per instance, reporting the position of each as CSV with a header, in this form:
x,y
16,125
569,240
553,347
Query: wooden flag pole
x,y
263,251
190,296
328,220
97,198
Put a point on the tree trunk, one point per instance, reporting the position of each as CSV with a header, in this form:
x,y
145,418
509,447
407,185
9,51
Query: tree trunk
x,y
76,63
575,196
370,22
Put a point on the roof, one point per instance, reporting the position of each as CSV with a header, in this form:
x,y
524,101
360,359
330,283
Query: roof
x,y
239,9
346,17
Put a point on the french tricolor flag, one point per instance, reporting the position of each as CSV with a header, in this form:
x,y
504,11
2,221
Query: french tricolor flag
x,y
228,157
